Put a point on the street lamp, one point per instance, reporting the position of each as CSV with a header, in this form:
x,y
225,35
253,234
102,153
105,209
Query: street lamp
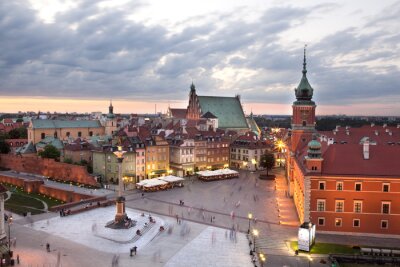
x,y
10,219
250,216
262,259
255,234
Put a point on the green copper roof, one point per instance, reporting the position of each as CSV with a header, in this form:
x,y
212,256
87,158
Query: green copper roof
x,y
253,125
51,124
227,109
26,149
49,140
304,91
314,144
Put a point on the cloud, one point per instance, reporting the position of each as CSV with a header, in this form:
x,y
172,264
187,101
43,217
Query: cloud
x,y
98,52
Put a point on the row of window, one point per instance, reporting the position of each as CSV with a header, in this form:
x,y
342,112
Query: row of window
x,y
357,186
67,134
245,151
18,143
356,222
357,206
157,150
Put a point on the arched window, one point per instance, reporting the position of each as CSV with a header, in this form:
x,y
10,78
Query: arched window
x,y
90,133
42,135
55,134
79,134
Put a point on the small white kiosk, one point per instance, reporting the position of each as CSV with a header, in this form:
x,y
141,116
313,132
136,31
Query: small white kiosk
x,y
306,237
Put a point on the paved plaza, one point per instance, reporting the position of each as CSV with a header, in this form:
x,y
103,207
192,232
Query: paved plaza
x,y
197,233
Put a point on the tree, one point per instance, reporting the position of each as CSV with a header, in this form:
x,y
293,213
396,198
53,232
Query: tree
x,y
4,147
50,152
267,161
18,133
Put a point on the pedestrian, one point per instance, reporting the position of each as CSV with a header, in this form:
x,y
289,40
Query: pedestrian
x,y
177,218
48,247
135,249
142,195
17,258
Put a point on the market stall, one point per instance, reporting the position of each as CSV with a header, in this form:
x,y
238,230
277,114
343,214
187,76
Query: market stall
x,y
173,180
217,174
151,185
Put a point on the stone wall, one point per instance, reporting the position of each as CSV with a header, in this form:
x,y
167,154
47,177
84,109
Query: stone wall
x,y
48,167
38,186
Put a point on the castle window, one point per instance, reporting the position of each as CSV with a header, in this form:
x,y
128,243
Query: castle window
x,y
358,187
321,205
321,185
68,134
90,133
304,123
384,224
386,207
356,223
339,205
339,186
386,187
321,221
357,206
42,135
338,222
79,134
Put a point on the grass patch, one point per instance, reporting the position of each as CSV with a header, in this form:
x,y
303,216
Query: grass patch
x,y
20,210
20,192
328,248
17,199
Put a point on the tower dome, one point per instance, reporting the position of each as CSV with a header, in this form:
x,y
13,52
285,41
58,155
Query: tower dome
x,y
304,91
314,148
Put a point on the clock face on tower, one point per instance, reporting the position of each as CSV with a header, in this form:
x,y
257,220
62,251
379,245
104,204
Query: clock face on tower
x,y
304,114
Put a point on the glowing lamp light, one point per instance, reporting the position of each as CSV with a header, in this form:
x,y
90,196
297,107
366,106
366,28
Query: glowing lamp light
x,y
250,216
254,161
255,232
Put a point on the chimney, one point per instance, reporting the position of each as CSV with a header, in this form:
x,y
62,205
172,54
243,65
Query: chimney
x,y
384,125
366,149
398,126
337,127
376,132
347,127
390,133
387,130
372,124
347,132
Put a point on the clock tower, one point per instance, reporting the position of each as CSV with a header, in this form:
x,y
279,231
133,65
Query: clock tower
x,y
303,119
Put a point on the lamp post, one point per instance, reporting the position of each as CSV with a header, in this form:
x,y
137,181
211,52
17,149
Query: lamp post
x,y
255,234
262,259
120,199
10,218
250,216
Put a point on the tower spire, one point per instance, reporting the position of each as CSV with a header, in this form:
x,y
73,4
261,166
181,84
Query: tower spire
x,y
304,62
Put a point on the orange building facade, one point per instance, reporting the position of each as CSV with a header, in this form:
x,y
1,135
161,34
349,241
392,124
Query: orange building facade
x,y
343,181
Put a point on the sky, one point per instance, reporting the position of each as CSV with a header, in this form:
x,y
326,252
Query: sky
x,y
76,55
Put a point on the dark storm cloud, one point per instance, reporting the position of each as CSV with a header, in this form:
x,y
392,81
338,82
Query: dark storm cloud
x,y
92,52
